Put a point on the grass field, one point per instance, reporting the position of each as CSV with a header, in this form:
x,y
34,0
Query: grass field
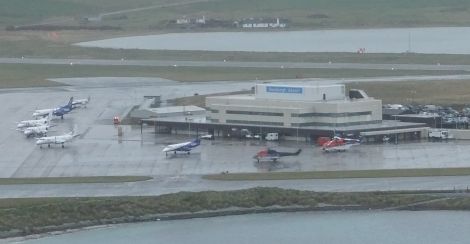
x,y
339,14
452,92
27,75
301,13
307,14
386,173
28,216
20,12
455,93
72,180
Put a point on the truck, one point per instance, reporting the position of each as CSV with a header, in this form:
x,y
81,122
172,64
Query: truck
x,y
272,136
437,135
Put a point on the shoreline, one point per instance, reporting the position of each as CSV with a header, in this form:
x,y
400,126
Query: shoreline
x,y
106,223
71,228
67,229
29,218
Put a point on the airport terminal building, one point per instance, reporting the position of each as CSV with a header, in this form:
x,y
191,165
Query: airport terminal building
x,y
296,106
292,111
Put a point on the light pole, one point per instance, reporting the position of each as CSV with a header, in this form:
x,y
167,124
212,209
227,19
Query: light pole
x,y
260,132
396,133
297,139
298,124
189,123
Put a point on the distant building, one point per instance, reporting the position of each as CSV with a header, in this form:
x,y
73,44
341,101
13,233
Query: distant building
x,y
263,23
183,21
201,21
186,21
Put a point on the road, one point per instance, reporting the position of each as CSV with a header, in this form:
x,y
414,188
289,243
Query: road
x,y
165,185
235,64
64,19
124,11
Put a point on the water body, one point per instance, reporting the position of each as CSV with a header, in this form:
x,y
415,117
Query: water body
x,y
445,40
315,227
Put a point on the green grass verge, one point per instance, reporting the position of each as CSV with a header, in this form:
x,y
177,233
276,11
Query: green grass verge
x,y
458,203
72,180
385,173
28,216
27,75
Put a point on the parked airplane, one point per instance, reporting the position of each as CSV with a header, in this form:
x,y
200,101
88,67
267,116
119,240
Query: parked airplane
x,y
33,122
273,155
81,102
37,130
182,147
59,112
57,139
338,144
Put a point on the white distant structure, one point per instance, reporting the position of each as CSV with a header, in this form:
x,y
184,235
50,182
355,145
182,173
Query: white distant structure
x,y
182,21
201,21
186,20
263,23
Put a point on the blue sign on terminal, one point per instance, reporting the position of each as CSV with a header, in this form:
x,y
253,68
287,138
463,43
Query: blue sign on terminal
x,y
284,89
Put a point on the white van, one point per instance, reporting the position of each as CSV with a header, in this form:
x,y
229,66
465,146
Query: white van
x,y
272,137
439,135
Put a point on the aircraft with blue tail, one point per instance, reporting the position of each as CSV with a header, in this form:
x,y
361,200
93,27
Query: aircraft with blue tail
x,y
185,147
59,112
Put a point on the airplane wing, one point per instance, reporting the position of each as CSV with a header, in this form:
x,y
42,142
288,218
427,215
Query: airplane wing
x,y
60,140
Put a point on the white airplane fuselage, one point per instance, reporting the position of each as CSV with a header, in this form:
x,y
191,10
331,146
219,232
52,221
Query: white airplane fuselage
x,y
43,112
182,147
37,130
49,140
32,123
174,147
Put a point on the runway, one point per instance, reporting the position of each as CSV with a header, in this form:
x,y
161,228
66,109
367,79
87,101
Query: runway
x,y
234,64
164,185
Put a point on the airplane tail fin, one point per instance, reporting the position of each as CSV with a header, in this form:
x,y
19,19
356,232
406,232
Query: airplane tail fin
x,y
298,152
196,142
49,118
75,131
89,99
70,103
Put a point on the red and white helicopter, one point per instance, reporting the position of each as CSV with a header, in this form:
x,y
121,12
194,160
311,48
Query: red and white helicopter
x,y
339,144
